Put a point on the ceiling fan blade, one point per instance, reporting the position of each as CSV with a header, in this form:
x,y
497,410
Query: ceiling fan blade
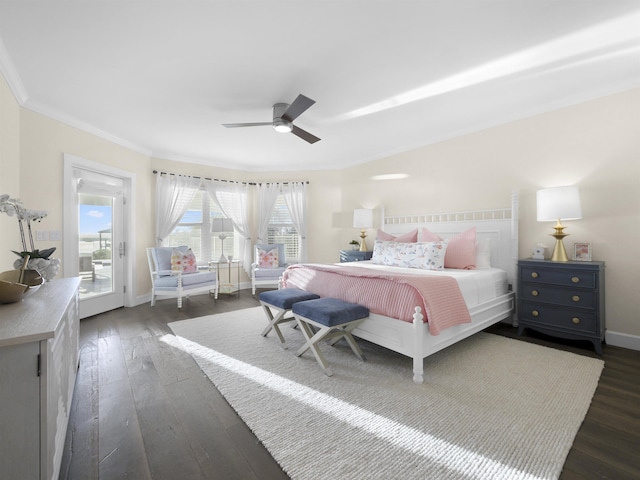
x,y
237,125
298,106
303,134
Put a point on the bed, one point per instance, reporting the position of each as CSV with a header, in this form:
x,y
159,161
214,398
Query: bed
x,y
496,229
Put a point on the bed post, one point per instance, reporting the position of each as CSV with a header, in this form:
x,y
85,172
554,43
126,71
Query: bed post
x,y
418,354
513,272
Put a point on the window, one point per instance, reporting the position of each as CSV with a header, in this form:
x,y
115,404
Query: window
x,y
281,230
194,230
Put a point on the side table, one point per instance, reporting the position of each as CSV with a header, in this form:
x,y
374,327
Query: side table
x,y
229,287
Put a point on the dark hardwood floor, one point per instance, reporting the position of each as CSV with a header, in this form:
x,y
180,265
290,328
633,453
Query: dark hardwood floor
x,y
144,410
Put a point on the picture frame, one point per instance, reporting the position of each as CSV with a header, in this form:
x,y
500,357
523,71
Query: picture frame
x,y
582,251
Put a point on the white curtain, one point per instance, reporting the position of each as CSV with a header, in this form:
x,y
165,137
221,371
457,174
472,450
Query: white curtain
x,y
232,197
267,196
295,198
174,193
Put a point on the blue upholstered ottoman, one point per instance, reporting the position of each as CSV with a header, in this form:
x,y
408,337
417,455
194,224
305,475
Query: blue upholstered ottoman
x,y
328,319
280,302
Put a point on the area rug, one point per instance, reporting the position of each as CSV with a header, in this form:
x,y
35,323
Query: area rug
x,y
490,407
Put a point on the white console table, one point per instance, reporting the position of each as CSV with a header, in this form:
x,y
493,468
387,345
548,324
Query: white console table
x,y
38,367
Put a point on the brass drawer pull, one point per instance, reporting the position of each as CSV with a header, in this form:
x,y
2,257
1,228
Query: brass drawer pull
x,y
575,298
575,279
534,293
535,313
575,320
534,274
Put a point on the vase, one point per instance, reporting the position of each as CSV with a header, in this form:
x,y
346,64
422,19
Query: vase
x,y
47,268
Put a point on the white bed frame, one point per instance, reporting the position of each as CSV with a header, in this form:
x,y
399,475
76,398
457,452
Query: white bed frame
x,y
414,339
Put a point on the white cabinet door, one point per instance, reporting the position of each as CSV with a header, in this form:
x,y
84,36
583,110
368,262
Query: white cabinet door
x,y
20,411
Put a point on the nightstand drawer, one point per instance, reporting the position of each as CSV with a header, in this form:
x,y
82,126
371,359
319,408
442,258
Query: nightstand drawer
x,y
532,313
565,277
568,297
354,255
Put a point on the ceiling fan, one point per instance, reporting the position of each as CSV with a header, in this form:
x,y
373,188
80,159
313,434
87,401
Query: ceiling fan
x,y
283,117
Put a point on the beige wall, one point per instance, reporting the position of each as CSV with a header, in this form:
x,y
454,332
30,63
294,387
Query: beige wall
x,y
594,145
9,172
43,143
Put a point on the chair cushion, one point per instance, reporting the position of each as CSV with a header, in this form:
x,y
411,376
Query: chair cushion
x,y
286,297
282,261
330,311
263,273
188,279
183,261
162,258
267,259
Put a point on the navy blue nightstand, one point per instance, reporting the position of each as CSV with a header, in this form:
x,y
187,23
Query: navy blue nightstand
x,y
565,299
354,256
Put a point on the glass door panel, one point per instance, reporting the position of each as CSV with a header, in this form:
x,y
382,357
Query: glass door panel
x,y
95,247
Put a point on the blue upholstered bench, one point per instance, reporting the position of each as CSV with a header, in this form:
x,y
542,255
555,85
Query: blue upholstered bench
x,y
280,302
332,319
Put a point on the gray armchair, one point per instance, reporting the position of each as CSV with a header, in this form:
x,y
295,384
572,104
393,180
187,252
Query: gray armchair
x,y
175,284
265,272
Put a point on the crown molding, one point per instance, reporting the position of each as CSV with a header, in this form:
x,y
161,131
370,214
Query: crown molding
x,y
8,69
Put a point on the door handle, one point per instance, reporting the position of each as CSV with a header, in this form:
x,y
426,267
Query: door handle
x,y
122,249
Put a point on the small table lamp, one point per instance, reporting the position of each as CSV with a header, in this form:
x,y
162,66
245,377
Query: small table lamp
x,y
221,226
556,204
363,218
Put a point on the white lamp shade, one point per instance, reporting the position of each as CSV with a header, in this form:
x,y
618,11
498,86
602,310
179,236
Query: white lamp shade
x,y
559,203
221,225
362,218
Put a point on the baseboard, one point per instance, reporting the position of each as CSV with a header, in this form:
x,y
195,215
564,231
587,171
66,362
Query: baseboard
x,y
143,299
623,340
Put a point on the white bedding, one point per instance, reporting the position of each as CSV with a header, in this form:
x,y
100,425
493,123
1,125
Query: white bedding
x,y
477,286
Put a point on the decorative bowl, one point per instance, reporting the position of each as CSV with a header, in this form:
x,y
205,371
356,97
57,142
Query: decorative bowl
x,y
12,291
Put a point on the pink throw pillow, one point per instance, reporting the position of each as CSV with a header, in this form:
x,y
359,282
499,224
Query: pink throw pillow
x,y
461,250
427,236
409,237
184,262
268,259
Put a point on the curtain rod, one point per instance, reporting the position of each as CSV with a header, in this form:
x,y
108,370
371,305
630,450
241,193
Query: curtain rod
x,y
230,181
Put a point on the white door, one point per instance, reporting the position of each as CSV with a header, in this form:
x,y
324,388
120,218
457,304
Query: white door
x,y
101,248
95,233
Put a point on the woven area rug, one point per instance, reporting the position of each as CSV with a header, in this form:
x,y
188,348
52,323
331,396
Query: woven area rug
x,y
490,407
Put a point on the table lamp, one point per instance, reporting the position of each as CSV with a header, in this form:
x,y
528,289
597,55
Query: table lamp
x,y
363,218
221,226
557,204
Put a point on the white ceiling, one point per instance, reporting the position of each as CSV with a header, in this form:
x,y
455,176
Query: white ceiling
x,y
388,76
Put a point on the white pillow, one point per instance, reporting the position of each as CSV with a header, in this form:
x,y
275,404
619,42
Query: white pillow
x,y
423,255
483,253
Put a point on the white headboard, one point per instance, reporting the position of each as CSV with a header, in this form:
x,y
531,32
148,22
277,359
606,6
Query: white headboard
x,y
500,225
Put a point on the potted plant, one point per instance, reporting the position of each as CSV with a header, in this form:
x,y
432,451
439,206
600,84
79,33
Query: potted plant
x,y
354,244
38,259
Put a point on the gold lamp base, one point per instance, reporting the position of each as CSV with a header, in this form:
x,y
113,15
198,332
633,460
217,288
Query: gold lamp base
x,y
559,252
363,243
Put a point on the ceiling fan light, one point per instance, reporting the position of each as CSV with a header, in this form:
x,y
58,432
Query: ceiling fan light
x,y
282,126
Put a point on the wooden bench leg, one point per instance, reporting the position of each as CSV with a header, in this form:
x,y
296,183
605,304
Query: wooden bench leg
x,y
274,321
351,341
312,340
321,332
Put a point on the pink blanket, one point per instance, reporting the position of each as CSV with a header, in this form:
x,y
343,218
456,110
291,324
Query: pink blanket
x,y
392,295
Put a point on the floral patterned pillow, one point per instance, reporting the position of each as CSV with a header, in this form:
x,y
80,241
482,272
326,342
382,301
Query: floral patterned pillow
x,y
183,261
268,259
423,255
